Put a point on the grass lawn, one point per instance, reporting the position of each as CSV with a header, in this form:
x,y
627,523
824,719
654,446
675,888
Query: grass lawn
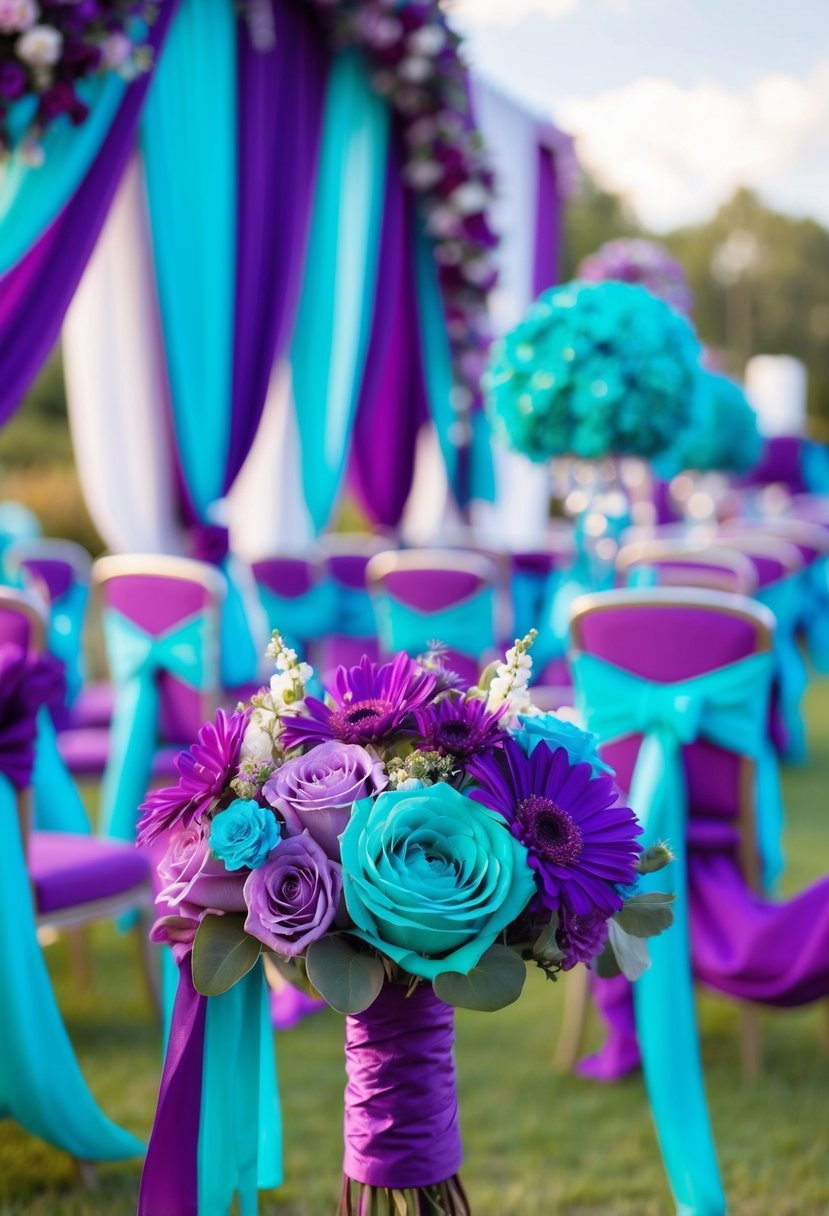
x,y
537,1144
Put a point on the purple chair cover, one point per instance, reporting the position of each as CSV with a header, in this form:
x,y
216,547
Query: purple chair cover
x,y
34,295
781,461
68,870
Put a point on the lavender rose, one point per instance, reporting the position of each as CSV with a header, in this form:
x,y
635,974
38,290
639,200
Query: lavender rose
x,y
316,792
293,898
194,881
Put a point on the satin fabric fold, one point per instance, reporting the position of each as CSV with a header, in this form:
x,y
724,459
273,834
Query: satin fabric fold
x,y
333,323
467,627
301,618
57,803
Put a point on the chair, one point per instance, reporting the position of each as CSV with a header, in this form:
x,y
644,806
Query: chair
x,y
353,630
48,880
161,618
685,728
298,599
17,523
426,595
678,564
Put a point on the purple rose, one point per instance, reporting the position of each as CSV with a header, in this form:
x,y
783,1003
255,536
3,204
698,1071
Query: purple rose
x,y
292,899
193,881
316,792
13,80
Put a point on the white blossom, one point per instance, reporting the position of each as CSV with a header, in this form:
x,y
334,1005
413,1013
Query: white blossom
x,y
40,46
17,15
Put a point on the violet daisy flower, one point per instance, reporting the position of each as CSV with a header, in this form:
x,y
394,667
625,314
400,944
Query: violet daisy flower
x,y
581,938
371,702
205,771
581,841
454,727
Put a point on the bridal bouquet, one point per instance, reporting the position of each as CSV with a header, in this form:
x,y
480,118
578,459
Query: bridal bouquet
x,y
403,846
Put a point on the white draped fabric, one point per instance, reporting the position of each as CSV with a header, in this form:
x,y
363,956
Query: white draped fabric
x,y
116,385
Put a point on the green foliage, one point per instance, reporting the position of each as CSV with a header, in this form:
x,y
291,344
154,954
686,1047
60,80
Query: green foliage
x,y
593,216
496,982
222,953
347,978
647,915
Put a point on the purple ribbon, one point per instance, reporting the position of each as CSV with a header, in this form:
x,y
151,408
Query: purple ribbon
x,y
401,1101
169,1182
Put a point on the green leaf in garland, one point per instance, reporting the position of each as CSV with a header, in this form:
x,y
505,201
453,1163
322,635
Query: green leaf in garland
x,y
496,982
222,953
646,915
348,979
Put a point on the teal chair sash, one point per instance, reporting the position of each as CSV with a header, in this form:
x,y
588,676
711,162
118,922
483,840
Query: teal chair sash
x,y
136,660
785,598
65,636
726,706
305,617
41,1085
466,627
58,806
354,612
816,613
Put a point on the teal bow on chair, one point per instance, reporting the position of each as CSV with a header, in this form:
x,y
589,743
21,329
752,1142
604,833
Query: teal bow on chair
x,y
785,599
66,617
728,707
466,627
310,615
136,661
41,1085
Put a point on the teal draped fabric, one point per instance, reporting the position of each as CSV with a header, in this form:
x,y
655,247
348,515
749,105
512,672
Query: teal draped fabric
x,y
816,612
31,198
467,627
65,639
727,706
301,618
189,148
240,1140
58,806
334,318
41,1085
136,659
786,598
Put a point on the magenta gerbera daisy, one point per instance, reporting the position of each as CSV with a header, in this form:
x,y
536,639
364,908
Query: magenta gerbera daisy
x,y
580,839
454,727
371,702
205,770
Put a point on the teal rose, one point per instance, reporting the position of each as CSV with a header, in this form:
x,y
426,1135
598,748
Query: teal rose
x,y
431,878
580,745
244,834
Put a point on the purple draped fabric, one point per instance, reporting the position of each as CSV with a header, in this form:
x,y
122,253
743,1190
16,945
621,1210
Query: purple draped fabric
x,y
26,683
393,401
281,94
401,1103
547,223
169,1182
35,295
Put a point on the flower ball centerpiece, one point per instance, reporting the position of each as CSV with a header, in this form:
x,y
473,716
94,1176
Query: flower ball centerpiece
x,y
403,846
724,436
636,260
594,370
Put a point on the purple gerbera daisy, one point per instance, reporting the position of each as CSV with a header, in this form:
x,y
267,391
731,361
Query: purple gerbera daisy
x,y
204,773
581,841
581,938
454,727
371,702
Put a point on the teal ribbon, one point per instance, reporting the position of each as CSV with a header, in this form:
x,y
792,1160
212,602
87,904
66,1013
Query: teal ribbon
x,y
32,198
354,613
467,627
136,660
815,616
41,1085
727,706
814,465
301,618
240,1135
785,598
57,803
242,643
529,590
333,322
65,640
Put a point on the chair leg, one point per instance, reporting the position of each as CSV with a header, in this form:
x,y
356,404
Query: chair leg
x,y
150,957
751,1053
80,957
87,1172
574,1019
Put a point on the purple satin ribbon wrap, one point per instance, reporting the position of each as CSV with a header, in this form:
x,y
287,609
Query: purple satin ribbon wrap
x,y
401,1100
169,1183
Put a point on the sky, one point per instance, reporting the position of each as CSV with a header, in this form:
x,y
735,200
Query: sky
x,y
673,103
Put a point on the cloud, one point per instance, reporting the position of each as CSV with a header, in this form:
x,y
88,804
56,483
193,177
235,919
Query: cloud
x,y
676,153
478,13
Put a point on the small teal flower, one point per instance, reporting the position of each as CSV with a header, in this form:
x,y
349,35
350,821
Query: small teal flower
x,y
432,878
244,834
580,745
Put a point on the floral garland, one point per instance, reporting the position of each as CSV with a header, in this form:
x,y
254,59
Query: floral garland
x,y
416,65
48,48
634,260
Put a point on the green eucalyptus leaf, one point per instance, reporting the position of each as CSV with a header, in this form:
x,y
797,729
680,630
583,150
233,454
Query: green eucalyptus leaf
x,y
348,979
646,915
222,953
606,965
495,982
546,949
631,952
